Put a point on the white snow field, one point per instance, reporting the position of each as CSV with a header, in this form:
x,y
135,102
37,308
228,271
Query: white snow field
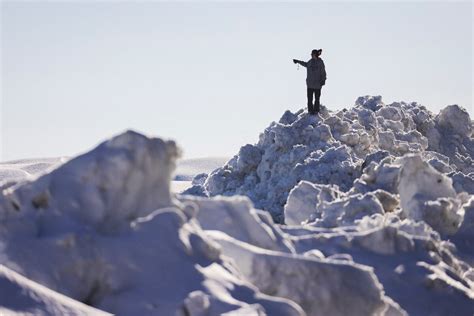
x,y
364,211
186,169
20,170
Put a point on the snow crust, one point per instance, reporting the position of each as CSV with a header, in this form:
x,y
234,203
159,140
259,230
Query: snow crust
x,y
364,211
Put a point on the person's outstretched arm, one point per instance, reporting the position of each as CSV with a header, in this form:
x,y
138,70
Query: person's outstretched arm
x,y
302,63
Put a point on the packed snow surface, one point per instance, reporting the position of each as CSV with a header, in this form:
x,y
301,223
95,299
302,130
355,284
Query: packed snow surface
x,y
364,211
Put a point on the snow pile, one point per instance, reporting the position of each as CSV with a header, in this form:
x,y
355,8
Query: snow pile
x,y
336,148
116,181
375,184
377,204
266,256
418,270
104,230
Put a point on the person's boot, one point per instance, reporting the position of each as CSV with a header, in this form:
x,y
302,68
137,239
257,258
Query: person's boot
x,y
316,109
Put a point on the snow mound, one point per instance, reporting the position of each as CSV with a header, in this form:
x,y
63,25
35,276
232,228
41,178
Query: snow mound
x,y
336,148
374,205
105,230
387,186
122,179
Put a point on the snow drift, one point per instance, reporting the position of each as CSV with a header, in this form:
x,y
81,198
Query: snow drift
x,y
374,212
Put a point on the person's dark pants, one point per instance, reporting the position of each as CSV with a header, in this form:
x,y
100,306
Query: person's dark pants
x,y
317,94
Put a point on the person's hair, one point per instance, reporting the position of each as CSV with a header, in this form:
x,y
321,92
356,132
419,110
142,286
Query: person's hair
x,y
317,52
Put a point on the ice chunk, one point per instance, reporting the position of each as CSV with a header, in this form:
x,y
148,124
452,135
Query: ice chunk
x,y
426,194
303,200
408,258
370,102
237,217
456,119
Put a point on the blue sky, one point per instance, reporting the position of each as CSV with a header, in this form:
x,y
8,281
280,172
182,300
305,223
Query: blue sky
x,y
213,75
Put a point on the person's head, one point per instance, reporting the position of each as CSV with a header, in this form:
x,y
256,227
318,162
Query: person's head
x,y
315,53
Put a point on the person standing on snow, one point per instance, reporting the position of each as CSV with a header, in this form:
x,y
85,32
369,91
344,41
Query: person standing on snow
x,y
315,79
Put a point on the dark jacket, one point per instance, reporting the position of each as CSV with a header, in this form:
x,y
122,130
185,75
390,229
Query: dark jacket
x,y
315,72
